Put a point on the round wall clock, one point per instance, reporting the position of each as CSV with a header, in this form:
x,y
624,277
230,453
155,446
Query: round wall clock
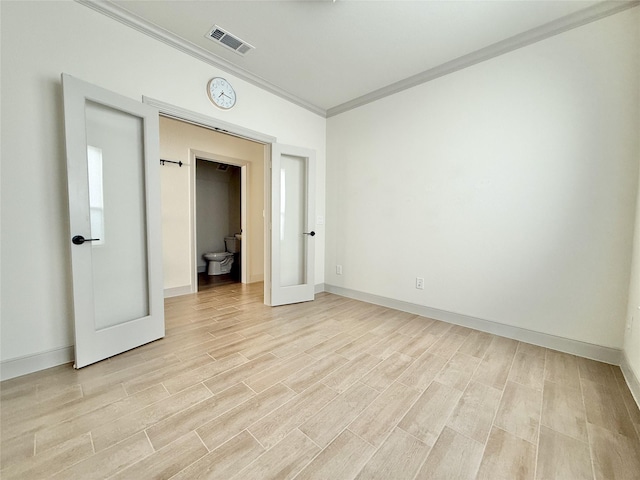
x,y
221,93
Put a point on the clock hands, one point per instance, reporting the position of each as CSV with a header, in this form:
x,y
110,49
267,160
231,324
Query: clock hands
x,y
220,93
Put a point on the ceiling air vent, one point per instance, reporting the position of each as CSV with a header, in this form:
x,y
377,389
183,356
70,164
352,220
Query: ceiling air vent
x,y
224,38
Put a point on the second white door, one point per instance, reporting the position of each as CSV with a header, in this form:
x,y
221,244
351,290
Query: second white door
x,y
292,224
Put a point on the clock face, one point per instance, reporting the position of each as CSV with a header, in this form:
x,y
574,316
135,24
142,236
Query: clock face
x,y
221,93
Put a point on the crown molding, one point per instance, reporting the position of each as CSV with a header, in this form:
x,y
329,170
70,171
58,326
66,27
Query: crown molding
x,y
563,24
590,14
106,7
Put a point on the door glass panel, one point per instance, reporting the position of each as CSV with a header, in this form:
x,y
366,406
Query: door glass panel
x,y
293,207
96,197
115,155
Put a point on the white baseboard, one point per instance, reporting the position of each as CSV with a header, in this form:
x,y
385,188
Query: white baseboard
x,y
630,377
32,363
17,367
177,291
567,345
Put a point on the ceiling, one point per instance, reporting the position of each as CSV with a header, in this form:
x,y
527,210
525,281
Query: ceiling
x,y
332,56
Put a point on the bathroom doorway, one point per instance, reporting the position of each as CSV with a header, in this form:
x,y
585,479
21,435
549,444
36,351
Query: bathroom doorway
x,y
218,223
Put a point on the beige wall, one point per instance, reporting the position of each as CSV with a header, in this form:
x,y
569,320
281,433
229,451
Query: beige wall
x,y
177,141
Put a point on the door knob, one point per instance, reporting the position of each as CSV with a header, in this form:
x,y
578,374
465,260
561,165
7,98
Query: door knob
x,y
312,233
79,240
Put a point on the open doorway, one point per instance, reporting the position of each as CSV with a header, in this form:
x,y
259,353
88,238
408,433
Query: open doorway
x,y
218,223
279,200
183,229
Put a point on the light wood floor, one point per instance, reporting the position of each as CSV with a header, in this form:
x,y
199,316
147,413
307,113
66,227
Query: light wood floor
x,y
331,389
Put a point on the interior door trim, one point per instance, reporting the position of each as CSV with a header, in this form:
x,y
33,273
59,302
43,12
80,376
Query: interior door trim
x,y
189,116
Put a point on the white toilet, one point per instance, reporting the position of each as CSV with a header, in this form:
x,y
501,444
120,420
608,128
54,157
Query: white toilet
x,y
221,262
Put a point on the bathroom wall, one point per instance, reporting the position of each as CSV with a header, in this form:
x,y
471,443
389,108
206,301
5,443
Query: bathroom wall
x,y
217,207
212,209
235,225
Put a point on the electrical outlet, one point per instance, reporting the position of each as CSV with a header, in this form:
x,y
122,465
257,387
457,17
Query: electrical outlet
x,y
630,323
420,283
338,269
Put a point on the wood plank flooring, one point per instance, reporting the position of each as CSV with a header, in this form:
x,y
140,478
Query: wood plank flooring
x,y
330,389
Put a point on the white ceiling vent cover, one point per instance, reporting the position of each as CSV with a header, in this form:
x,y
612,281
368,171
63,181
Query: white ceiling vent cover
x,y
229,41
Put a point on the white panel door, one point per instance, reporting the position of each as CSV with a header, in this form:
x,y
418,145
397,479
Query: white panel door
x,y
292,224
114,206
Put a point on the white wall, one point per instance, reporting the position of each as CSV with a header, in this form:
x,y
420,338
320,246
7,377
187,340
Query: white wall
x,y
631,360
509,186
39,41
632,324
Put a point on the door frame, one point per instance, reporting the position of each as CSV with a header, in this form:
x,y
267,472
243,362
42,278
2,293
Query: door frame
x,y
188,116
244,165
